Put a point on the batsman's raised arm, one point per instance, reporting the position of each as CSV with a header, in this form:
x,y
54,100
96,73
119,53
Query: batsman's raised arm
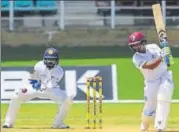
x,y
140,62
158,56
152,64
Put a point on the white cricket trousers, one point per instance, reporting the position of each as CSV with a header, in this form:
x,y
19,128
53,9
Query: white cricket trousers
x,y
56,94
153,92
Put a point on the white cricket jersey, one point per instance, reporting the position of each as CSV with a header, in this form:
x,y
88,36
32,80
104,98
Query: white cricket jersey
x,y
49,78
152,51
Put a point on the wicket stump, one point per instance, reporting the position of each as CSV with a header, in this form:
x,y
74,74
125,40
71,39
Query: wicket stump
x,y
95,113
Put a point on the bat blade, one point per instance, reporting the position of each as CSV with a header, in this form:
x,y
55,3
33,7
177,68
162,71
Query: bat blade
x,y
161,31
159,24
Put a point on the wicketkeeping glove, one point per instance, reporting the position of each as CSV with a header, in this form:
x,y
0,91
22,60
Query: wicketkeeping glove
x,y
36,84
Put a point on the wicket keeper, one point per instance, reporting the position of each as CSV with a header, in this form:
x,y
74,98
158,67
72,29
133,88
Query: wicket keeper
x,y
43,84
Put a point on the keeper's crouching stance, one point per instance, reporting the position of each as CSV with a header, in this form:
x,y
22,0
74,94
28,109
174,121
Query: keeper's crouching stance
x,y
43,84
158,91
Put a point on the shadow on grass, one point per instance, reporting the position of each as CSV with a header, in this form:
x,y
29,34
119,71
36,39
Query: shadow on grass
x,y
28,52
42,128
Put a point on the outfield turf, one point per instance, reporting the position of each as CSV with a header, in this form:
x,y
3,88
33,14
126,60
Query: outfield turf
x,y
116,117
130,81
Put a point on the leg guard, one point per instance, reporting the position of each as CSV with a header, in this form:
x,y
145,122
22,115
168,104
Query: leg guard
x,y
163,105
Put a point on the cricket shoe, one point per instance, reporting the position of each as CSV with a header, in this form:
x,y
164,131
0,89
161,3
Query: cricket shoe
x,y
159,130
61,126
7,126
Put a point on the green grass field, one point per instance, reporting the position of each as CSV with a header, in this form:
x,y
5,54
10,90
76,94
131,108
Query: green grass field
x,y
117,117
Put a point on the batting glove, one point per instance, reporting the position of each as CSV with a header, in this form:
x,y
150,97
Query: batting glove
x,y
165,52
36,84
163,43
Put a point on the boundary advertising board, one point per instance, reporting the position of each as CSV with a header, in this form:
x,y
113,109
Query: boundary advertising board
x,y
74,82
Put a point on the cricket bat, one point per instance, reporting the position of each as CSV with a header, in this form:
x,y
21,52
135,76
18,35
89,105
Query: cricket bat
x,y
161,31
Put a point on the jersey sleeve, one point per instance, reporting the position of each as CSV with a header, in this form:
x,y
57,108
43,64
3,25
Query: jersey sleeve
x,y
35,72
59,74
56,76
139,61
155,48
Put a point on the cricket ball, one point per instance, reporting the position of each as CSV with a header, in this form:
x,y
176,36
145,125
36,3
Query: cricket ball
x,y
24,90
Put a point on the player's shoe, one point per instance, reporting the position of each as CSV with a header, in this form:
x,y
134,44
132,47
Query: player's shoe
x,y
61,126
159,130
7,126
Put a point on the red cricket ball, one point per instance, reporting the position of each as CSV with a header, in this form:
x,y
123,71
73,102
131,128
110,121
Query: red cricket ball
x,y
24,90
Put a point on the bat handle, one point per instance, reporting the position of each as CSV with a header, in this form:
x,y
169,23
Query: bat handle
x,y
169,60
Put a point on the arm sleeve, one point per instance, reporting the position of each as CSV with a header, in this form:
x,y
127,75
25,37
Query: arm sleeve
x,y
156,49
35,74
57,76
60,74
139,61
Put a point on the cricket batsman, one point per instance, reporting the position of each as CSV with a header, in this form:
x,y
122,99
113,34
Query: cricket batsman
x,y
159,86
43,83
